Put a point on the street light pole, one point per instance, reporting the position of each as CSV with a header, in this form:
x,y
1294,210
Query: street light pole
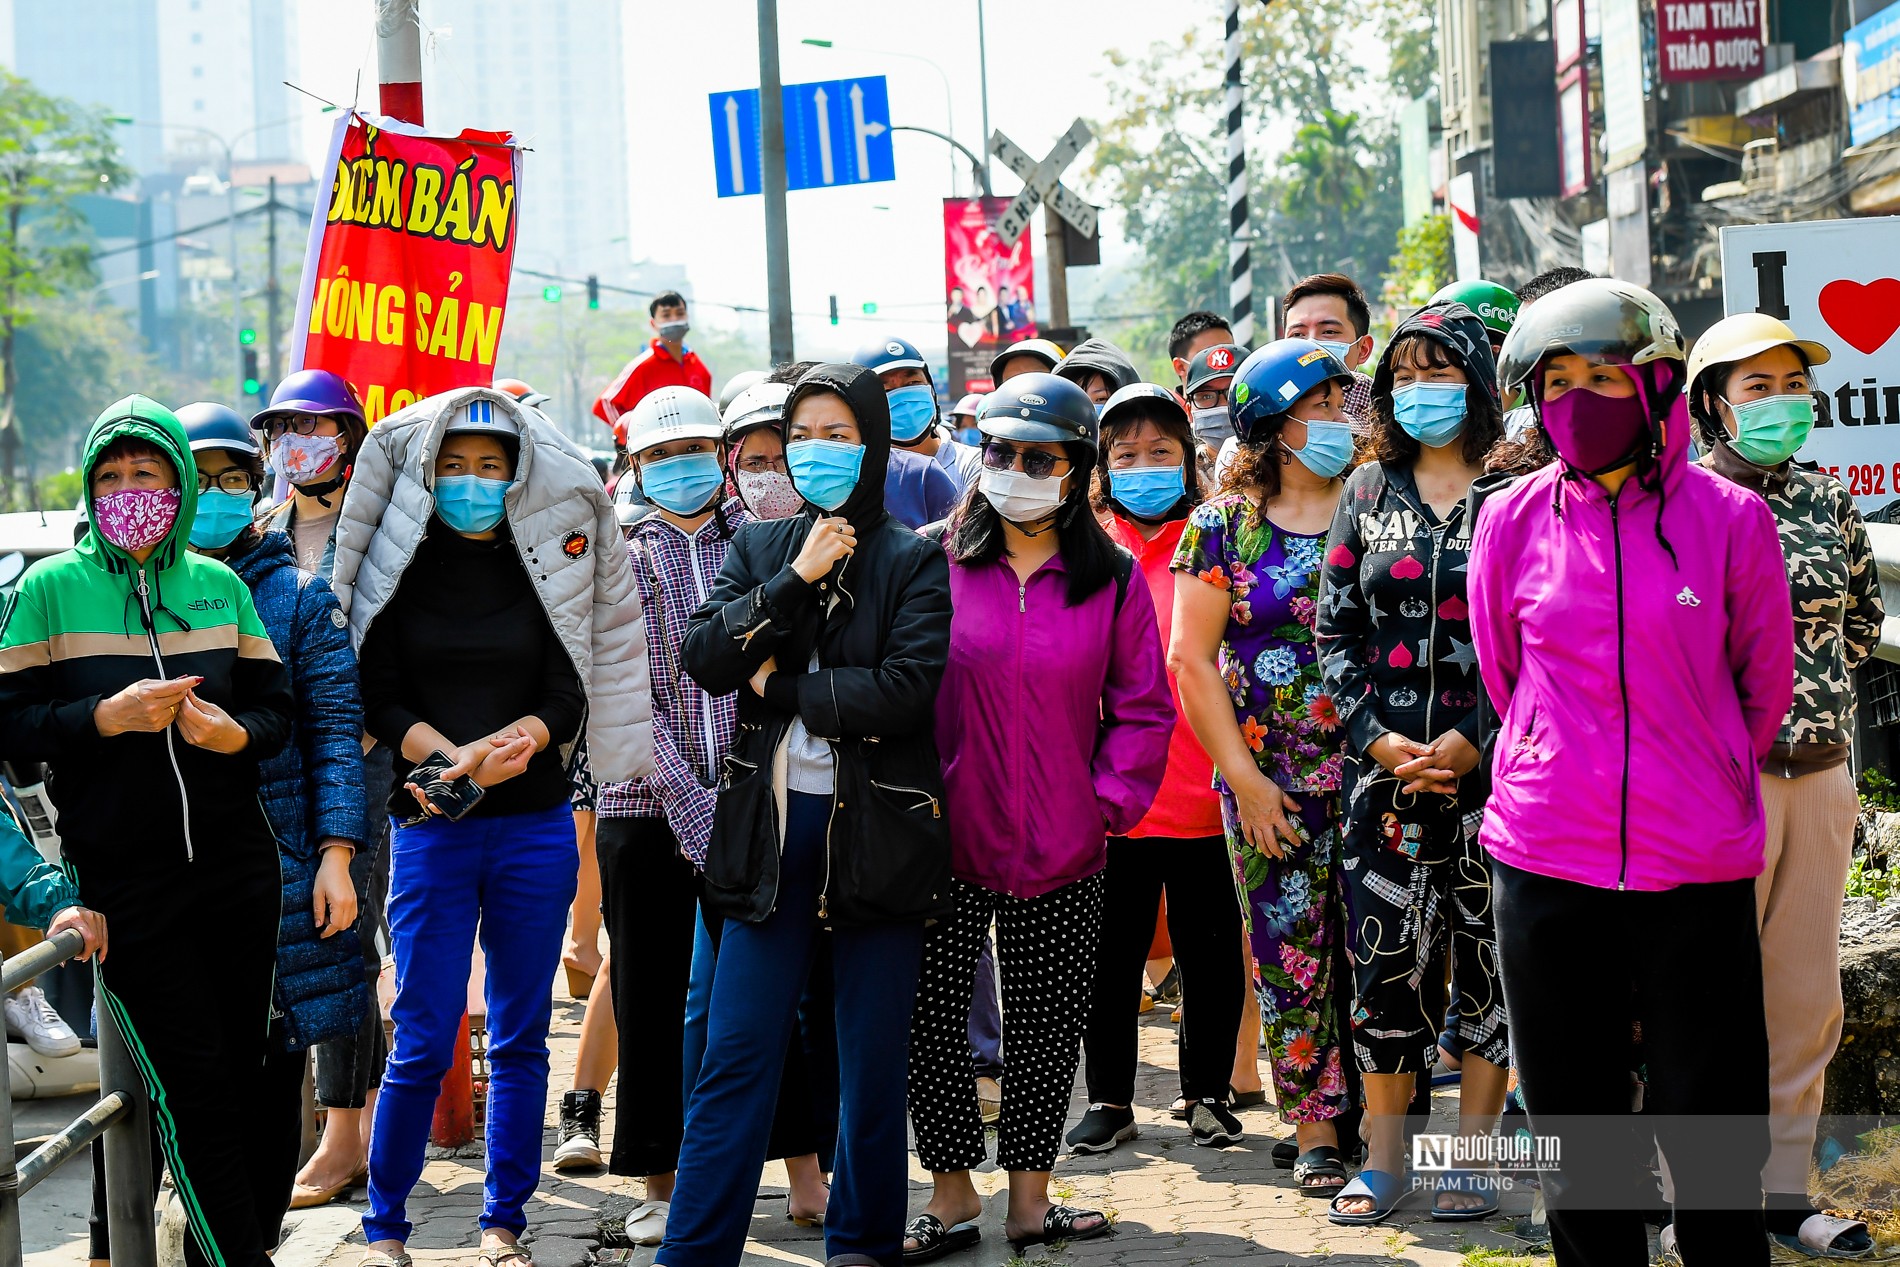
x,y
983,74
778,262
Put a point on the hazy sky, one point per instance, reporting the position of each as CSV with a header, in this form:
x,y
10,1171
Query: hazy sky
x,y
879,242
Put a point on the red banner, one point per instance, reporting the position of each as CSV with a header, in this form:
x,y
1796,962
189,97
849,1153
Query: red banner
x,y
406,277
1709,39
989,290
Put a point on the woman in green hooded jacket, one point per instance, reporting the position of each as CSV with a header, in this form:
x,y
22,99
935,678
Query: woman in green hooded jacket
x,y
141,674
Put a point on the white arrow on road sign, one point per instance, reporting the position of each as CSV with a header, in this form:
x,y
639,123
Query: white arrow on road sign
x,y
734,146
818,98
1042,182
861,131
1070,205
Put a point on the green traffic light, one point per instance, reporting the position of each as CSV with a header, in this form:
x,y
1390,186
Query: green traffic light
x,y
247,336
252,387
551,293
870,310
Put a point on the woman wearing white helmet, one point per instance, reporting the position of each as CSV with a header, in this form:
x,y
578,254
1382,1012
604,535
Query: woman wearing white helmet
x,y
1749,392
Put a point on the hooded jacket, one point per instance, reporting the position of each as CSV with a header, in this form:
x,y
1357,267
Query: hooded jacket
x,y
1099,356
313,790
560,522
1054,724
1637,693
879,623
1394,623
85,624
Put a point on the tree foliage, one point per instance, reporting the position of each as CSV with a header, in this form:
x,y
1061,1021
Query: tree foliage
x,y
1422,264
1329,200
51,151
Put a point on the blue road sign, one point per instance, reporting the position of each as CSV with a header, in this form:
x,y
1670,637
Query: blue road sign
x,y
837,132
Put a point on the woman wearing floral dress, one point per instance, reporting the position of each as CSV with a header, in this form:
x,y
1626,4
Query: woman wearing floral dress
x,y
1245,604
1395,632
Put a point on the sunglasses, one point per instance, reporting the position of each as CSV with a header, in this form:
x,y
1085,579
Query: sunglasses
x,y
1000,455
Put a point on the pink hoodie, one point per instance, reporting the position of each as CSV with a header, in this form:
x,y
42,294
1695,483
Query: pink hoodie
x,y
1638,693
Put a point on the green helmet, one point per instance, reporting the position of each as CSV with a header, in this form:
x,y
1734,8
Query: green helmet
x,y
1495,306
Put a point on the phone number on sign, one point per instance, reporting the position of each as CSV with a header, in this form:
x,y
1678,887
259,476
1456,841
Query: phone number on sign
x,y
1866,481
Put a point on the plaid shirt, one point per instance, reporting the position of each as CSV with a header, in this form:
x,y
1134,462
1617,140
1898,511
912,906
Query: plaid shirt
x,y
691,730
1358,402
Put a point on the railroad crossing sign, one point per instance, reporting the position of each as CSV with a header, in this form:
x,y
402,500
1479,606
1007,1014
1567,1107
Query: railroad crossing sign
x,y
837,132
1068,204
1041,182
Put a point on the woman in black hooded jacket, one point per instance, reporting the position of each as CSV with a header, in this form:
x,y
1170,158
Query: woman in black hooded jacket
x,y
834,627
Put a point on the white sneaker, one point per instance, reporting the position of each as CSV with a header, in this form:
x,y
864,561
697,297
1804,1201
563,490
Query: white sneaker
x,y
646,1224
32,1019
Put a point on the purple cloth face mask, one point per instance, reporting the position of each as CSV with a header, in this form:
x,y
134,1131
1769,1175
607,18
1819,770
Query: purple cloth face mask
x,y
1594,433
135,518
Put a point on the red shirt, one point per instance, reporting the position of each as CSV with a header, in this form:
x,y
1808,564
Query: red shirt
x,y
1187,805
654,368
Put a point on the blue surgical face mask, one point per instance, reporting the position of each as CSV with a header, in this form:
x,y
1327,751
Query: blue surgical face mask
x,y
685,484
1148,492
1431,413
1340,350
469,503
1328,447
825,471
221,517
913,410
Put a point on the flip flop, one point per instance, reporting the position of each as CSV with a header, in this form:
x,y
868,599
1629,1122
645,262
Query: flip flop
x,y
1472,1183
1385,1190
934,1240
1059,1225
1323,1162
1821,1236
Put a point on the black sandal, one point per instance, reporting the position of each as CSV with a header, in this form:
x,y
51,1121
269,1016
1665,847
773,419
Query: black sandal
x,y
1286,1154
1059,1224
1323,1162
934,1240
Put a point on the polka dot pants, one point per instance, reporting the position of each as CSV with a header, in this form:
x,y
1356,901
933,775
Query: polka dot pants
x,y
1045,954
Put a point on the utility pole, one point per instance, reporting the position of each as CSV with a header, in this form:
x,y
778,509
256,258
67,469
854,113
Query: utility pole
x,y
983,73
273,372
1239,257
778,262
399,60
1056,256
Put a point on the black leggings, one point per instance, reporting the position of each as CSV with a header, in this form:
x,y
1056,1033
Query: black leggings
x,y
1580,965
1204,925
1045,951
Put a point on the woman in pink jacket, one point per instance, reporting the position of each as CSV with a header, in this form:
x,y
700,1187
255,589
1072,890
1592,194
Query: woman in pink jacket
x,y
1633,628
1053,724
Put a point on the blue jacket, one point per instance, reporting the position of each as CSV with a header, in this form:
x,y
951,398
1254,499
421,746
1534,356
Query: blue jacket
x,y
32,889
917,491
311,790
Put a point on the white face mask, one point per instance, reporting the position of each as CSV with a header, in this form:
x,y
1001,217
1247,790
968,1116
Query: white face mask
x,y
1018,498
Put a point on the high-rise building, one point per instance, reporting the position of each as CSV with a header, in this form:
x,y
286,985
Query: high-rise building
x,y
219,65
553,75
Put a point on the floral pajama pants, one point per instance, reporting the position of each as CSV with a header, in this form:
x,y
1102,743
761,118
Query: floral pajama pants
x,y
1294,926
1419,887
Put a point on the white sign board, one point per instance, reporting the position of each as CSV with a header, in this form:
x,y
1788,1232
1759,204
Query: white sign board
x,y
1836,282
1464,227
1625,128
1042,183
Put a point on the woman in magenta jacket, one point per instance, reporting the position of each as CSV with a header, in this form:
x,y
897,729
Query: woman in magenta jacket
x,y
1633,627
1053,724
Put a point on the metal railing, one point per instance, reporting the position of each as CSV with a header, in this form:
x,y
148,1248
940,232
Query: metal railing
x,y
121,1117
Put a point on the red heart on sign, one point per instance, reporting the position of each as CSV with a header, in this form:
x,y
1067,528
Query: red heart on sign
x,y
1866,316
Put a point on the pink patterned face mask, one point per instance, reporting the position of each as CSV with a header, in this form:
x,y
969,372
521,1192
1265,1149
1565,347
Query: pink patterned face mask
x,y
135,518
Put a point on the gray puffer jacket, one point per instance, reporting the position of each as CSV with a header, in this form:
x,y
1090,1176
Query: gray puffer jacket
x,y
563,525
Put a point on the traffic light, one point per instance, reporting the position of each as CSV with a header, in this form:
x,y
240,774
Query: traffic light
x,y
593,291
252,385
551,293
247,336
870,309
834,310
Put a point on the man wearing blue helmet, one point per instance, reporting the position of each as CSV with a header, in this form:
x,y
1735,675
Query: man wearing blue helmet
x,y
913,399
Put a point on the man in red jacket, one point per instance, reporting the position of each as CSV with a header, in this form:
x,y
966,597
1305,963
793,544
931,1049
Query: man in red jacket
x,y
665,362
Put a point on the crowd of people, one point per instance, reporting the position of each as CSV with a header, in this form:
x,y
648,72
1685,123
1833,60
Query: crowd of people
x,y
1451,717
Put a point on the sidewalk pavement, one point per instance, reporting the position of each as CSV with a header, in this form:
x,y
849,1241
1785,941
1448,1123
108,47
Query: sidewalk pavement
x,y
1172,1202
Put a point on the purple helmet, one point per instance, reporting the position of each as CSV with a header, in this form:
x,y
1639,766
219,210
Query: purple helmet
x,y
316,392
